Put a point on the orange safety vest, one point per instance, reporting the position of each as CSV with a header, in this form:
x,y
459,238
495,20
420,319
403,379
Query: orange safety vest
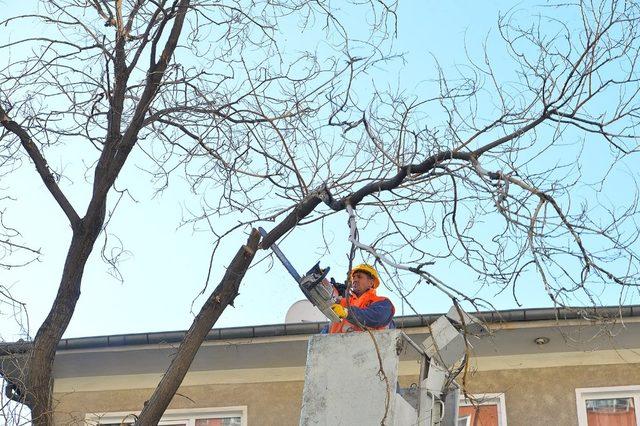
x,y
366,299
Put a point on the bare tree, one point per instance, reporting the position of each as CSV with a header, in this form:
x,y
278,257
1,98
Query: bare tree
x,y
509,154
195,85
294,139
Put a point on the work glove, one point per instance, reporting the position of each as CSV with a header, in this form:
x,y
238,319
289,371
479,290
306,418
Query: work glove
x,y
340,310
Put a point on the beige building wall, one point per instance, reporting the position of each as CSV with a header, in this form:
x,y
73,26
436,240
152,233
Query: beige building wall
x,y
540,396
275,403
546,396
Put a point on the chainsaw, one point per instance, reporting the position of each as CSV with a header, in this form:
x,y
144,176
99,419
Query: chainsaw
x,y
314,284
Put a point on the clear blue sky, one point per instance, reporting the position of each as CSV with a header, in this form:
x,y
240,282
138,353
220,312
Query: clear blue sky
x,y
167,266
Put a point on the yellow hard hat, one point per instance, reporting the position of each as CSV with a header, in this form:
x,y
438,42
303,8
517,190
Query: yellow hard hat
x,y
367,269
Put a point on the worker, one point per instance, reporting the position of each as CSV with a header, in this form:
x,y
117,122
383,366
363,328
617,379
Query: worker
x,y
364,307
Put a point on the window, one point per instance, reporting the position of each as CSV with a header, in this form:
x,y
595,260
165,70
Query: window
x,y
226,416
613,406
482,410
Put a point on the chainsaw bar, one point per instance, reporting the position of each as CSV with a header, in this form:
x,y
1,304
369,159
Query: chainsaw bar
x,y
315,287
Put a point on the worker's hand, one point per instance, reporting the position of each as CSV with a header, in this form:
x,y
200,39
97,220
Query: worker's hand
x,y
340,310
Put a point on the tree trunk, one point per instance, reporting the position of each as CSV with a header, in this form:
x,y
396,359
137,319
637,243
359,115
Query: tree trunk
x,y
39,381
222,296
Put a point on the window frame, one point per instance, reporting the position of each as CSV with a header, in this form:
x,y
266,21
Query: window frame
x,y
171,416
488,399
467,421
609,392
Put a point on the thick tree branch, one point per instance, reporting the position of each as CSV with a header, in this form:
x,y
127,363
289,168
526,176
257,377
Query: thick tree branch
x,y
41,166
222,296
309,203
111,163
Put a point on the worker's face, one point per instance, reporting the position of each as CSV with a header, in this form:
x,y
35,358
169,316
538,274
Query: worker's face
x,y
361,282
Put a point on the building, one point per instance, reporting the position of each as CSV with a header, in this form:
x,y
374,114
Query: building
x,y
537,367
